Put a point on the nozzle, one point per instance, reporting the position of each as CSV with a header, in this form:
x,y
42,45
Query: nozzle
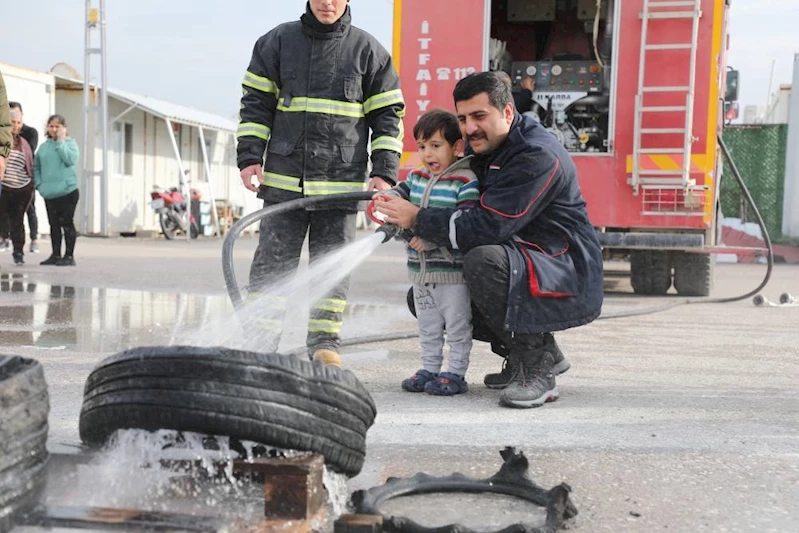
x,y
392,230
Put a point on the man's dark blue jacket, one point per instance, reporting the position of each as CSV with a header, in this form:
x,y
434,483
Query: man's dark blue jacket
x,y
532,205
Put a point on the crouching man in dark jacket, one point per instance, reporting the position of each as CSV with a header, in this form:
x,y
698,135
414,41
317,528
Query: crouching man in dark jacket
x,y
533,262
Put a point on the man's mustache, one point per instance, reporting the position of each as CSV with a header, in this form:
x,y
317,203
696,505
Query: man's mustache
x,y
476,136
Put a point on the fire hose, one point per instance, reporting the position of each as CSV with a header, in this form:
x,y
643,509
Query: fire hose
x,y
392,231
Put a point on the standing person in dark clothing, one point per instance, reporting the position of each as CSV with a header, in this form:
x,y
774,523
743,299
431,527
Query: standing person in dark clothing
x,y
533,262
56,180
32,136
17,186
314,91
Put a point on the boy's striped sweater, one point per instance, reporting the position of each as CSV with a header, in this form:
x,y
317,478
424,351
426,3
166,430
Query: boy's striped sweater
x,y
455,187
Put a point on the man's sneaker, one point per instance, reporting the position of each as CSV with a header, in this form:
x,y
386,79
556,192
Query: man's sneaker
x,y
503,378
52,260
18,259
66,261
328,357
533,382
34,247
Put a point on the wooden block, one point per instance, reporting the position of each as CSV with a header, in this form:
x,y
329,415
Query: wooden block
x,y
293,486
359,523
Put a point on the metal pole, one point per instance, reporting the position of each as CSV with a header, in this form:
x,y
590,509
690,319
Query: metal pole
x,y
790,206
87,152
210,185
180,179
104,122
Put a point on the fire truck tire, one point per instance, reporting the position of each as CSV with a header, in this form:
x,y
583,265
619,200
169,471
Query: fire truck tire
x,y
650,272
279,401
24,407
693,273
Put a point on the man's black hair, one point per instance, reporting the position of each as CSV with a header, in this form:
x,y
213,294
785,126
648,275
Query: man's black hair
x,y
492,83
12,105
435,121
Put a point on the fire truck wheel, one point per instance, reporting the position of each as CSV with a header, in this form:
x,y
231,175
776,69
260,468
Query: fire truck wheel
x,y
650,272
24,407
693,273
279,401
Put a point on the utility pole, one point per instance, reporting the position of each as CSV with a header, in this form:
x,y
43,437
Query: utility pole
x,y
790,206
95,23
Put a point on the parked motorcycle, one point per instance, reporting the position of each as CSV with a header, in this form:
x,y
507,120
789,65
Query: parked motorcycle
x,y
171,208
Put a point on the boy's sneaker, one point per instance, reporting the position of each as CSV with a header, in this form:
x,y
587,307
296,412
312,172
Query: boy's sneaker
x,y
417,382
52,260
18,259
447,384
66,261
34,247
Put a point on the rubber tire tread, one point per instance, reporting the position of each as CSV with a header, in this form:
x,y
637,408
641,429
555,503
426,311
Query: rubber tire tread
x,y
693,273
650,272
273,399
24,408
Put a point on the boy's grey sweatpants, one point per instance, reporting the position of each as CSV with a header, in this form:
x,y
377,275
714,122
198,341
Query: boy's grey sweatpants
x,y
440,307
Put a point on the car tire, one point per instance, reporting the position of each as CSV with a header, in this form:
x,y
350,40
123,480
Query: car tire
x,y
276,400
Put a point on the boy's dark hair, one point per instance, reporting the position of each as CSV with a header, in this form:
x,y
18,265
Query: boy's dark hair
x,y
492,83
438,120
17,105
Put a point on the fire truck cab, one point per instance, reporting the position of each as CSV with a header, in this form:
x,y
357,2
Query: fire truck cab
x,y
633,89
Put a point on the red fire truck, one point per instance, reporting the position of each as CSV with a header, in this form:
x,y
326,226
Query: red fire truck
x,y
634,89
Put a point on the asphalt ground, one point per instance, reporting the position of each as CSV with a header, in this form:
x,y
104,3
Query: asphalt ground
x,y
685,420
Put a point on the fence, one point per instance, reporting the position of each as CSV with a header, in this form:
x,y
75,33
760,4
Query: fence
x,y
759,153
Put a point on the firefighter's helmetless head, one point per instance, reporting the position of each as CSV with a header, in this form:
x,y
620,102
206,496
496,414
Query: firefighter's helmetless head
x,y
484,105
328,11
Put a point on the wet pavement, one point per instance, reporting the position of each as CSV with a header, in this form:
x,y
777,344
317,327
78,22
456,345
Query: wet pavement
x,y
678,421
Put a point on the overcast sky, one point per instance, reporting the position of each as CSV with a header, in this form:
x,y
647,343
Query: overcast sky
x,y
194,52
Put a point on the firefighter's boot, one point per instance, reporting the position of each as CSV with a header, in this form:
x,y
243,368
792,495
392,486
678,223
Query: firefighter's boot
x,y
503,378
533,382
328,357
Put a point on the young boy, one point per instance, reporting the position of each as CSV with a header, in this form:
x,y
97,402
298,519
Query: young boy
x,y
440,293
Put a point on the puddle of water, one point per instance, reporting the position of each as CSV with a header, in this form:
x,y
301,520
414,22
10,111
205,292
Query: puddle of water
x,y
480,512
91,320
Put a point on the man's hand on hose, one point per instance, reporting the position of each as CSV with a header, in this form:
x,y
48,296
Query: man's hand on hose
x,y
397,210
248,172
378,184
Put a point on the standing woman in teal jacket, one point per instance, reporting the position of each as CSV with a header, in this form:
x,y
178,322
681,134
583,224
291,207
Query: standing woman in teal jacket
x,y
56,179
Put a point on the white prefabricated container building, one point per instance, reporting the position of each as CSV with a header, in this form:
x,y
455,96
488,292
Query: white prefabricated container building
x,y
141,151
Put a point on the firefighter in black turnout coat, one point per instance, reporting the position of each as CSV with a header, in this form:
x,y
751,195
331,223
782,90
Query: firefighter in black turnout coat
x,y
312,92
533,262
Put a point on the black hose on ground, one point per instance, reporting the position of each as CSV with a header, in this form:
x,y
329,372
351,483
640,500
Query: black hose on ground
x,y
235,293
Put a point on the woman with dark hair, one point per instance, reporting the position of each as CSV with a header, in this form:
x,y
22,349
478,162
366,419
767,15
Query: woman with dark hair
x,y
56,180
17,186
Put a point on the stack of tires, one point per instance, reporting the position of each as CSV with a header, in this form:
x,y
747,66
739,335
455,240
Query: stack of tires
x,y
24,406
